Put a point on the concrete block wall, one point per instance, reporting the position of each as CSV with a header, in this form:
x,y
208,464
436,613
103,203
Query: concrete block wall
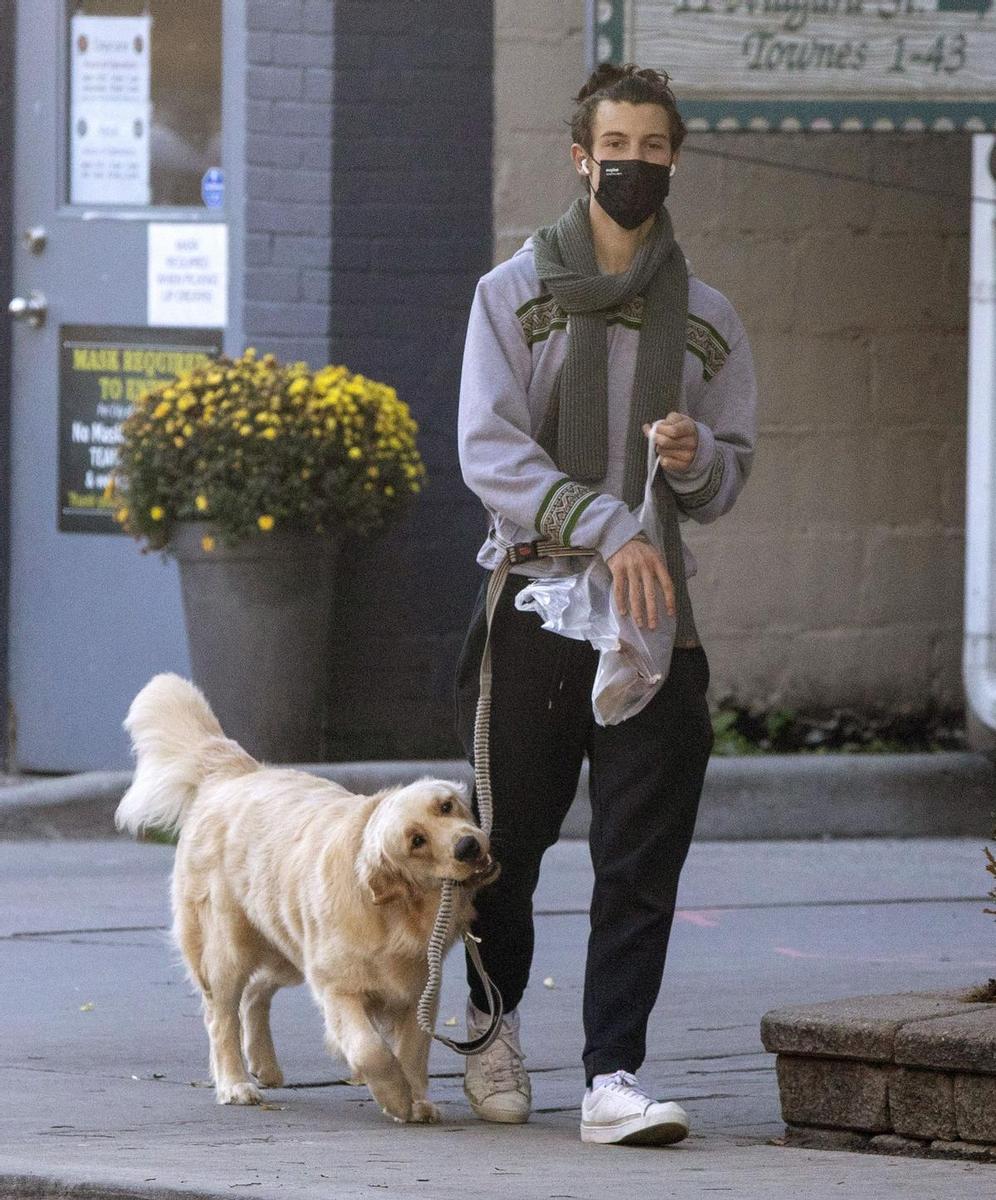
x,y
288,242
837,577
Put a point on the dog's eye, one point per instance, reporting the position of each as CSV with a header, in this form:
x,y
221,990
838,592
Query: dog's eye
x,y
417,840
446,806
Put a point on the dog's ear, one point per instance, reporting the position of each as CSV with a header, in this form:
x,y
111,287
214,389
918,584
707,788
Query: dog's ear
x,y
386,885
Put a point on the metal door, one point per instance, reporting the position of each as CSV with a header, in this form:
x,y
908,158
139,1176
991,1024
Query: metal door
x,y
104,148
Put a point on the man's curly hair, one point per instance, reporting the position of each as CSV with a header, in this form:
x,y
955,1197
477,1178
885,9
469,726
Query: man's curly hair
x,y
635,85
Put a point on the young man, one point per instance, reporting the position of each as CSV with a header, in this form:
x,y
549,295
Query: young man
x,y
588,335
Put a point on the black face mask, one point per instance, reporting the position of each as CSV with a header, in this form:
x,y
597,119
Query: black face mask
x,y
630,190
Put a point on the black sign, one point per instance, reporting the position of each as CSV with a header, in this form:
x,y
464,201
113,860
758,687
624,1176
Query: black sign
x,y
103,369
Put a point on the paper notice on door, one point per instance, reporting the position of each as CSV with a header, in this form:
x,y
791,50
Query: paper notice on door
x,y
110,154
188,275
110,110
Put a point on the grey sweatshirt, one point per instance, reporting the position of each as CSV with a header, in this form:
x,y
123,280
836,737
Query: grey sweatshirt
x,y
516,343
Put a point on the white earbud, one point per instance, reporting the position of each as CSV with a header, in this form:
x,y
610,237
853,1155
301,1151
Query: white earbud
x,y
584,167
672,168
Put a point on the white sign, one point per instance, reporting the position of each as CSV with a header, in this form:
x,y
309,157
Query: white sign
x,y
861,63
188,275
110,154
110,110
111,59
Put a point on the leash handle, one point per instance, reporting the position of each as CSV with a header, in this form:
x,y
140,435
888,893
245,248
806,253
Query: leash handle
x,y
496,1007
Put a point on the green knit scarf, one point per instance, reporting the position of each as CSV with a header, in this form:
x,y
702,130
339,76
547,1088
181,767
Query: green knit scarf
x,y
577,415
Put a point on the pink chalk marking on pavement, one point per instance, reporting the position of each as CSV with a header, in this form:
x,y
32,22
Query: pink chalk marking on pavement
x,y
789,952
704,920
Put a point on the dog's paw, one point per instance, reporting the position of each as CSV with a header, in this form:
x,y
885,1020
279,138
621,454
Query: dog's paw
x,y
238,1093
425,1113
269,1077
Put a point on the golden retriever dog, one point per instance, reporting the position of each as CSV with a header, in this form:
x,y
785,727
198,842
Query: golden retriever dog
x,y
281,877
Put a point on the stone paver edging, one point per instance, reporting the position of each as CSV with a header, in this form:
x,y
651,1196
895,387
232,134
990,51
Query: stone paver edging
x,y
913,1073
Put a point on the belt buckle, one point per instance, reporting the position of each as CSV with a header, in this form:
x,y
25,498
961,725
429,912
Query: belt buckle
x,y
523,552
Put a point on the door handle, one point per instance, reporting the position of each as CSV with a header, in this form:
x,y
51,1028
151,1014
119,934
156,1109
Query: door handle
x,y
33,309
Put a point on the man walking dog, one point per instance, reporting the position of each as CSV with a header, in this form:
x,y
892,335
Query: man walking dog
x,y
592,332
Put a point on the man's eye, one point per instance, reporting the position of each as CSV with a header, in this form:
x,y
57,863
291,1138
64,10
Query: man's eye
x,y
446,806
417,840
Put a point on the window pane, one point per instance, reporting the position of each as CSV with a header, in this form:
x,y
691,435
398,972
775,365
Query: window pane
x,y
145,102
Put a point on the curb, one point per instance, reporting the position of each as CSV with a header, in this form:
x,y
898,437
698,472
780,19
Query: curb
x,y
745,797
45,1187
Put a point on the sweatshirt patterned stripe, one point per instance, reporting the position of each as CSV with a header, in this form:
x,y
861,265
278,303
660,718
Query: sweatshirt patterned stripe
x,y
542,316
561,509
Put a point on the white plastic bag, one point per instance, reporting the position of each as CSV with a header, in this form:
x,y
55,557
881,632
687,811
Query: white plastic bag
x,y
633,662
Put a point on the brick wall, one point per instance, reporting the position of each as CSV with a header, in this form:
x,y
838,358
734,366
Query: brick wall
x,y
288,240
838,575
411,234
368,223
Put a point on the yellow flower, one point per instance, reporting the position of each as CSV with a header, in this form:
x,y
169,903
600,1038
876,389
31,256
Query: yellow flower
x,y
188,430
201,503
265,522
179,443
305,473
269,433
389,491
207,543
298,387
156,512
161,409
121,516
355,452
250,354
373,472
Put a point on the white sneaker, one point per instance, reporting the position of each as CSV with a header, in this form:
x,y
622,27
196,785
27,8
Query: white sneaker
x,y
619,1112
495,1082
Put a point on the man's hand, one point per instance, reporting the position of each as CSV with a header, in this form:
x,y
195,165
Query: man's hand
x,y
637,569
677,439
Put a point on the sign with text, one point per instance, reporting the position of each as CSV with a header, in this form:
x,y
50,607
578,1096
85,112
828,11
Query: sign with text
x,y
188,274
110,110
813,64
102,369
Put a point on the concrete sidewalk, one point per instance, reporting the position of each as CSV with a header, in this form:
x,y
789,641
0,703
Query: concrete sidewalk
x,y
749,797
104,1055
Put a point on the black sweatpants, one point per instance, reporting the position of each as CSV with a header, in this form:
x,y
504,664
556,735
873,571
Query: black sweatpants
x,y
646,777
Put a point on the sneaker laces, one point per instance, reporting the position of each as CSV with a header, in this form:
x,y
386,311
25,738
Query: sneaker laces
x,y
627,1085
501,1063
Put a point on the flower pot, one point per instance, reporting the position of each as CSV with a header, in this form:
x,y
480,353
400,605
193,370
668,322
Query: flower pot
x,y
259,619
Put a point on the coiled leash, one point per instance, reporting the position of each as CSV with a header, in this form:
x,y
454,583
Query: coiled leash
x,y
522,552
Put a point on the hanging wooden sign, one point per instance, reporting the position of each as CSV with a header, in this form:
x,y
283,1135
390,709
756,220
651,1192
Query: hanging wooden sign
x,y
812,64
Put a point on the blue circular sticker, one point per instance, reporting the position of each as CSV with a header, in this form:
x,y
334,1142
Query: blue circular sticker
x,y
213,188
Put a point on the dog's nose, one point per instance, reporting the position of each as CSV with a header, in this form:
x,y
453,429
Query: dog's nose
x,y
467,849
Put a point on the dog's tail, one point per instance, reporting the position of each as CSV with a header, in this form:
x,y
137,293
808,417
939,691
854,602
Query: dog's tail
x,y
177,742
